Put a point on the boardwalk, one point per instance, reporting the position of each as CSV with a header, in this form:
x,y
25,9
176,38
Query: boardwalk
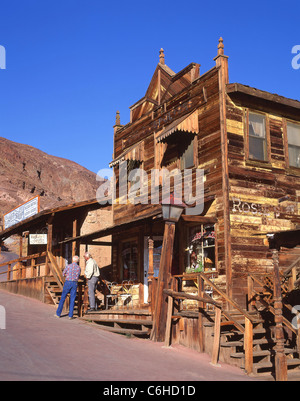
x,y
37,346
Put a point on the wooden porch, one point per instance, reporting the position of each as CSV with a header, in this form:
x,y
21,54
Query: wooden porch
x,y
199,314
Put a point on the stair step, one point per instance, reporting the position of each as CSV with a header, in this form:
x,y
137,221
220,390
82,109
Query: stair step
x,y
97,318
266,364
260,341
263,353
118,330
255,354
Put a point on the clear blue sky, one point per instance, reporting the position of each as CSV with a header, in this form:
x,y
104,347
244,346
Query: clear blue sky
x,y
70,64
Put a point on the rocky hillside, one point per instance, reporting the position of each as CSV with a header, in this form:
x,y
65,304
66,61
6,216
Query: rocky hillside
x,y
26,172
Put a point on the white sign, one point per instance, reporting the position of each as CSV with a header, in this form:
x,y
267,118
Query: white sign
x,y
22,212
37,239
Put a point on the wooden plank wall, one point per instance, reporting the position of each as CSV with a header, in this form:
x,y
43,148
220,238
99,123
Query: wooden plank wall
x,y
255,189
202,95
208,139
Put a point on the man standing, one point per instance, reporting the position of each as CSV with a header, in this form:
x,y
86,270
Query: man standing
x,y
92,273
72,273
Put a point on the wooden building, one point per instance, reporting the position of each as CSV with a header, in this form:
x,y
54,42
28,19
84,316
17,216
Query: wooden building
x,y
231,154
42,255
246,142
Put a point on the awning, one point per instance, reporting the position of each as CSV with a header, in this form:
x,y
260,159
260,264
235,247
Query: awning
x,y
286,239
134,152
155,215
188,124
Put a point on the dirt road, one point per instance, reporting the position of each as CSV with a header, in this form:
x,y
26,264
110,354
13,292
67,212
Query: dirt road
x,y
37,346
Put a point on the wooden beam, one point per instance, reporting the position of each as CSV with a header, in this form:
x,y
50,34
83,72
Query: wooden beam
x,y
199,219
222,65
280,357
168,337
160,312
98,243
217,337
248,346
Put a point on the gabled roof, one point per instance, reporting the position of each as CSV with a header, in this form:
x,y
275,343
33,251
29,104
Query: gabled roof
x,y
164,84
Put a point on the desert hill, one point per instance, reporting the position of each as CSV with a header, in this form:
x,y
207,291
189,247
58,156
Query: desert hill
x,y
26,172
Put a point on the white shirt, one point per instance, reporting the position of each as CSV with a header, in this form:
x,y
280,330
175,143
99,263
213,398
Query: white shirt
x,y
91,269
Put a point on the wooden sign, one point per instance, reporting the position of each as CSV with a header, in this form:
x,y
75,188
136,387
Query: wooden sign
x,y
37,239
22,212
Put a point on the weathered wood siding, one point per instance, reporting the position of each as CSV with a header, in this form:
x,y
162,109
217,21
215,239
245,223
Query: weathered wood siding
x,y
201,95
255,190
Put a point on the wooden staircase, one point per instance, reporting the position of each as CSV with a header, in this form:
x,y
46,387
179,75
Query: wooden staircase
x,y
54,286
245,338
233,344
54,294
53,290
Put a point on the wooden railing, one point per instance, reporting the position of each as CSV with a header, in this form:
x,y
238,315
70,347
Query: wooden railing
x,y
292,274
205,299
266,297
56,271
20,268
220,299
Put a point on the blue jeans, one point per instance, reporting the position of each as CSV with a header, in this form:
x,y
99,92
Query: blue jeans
x,y
69,287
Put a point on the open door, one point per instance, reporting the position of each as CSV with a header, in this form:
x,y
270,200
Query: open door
x,y
158,241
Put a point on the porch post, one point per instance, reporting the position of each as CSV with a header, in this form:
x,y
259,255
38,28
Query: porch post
x,y
280,357
150,269
160,311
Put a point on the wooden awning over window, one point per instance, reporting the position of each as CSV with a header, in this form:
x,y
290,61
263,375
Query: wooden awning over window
x,y
186,124
286,239
134,152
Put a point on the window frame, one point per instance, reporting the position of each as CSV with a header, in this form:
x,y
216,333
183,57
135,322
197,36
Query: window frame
x,y
161,148
267,159
286,142
130,240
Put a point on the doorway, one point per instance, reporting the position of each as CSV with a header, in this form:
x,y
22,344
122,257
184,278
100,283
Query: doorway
x,y
157,247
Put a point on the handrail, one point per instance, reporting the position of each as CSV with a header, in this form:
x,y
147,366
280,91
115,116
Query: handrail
x,y
227,298
270,307
183,295
289,269
56,271
247,331
18,261
207,299
23,258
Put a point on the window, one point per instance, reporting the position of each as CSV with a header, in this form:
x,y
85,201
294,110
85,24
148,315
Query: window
x,y
187,158
130,260
293,136
257,137
179,150
201,249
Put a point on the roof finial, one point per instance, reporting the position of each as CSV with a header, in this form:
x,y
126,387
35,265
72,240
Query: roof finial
x,y
118,124
162,56
221,47
118,120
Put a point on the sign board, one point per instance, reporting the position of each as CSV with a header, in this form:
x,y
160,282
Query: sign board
x,y
22,212
37,239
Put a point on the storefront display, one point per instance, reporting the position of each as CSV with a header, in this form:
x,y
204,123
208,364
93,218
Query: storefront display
x,y
130,260
201,249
